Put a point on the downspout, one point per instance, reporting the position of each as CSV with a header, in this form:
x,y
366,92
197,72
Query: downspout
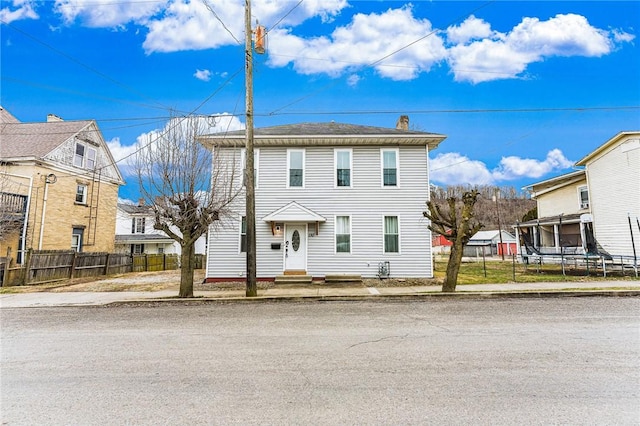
x,y
26,221
49,179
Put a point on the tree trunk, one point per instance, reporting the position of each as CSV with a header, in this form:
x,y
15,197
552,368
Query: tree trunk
x,y
187,263
453,267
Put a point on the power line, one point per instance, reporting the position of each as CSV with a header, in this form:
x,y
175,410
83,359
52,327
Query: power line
x,y
456,111
78,93
78,62
208,6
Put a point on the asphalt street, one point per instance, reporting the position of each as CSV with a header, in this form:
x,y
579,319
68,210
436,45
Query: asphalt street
x,y
436,361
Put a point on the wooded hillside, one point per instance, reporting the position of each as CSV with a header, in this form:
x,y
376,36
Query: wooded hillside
x,y
511,205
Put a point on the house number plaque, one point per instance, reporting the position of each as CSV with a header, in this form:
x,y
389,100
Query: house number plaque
x,y
295,240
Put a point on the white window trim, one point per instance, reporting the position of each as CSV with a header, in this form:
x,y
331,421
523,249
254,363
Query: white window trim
x,y
382,151
87,149
256,164
84,195
399,236
580,205
139,229
335,235
335,167
304,171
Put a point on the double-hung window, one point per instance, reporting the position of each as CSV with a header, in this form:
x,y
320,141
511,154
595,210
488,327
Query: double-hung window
x,y
81,194
85,156
343,165
256,156
243,234
137,225
391,234
389,166
295,168
583,193
343,234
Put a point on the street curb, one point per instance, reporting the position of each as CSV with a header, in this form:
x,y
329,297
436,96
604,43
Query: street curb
x,y
534,294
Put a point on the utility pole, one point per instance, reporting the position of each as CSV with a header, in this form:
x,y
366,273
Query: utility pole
x,y
252,288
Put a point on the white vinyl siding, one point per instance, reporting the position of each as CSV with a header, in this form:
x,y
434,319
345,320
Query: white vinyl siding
x,y
614,179
365,204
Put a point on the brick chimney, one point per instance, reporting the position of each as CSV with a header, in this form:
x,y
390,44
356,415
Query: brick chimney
x,y
403,123
52,118
140,202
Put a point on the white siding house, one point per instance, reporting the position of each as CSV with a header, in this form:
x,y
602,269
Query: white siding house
x,y
613,177
330,198
135,233
593,210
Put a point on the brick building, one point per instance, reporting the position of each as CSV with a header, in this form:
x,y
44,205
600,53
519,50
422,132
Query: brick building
x,y
59,182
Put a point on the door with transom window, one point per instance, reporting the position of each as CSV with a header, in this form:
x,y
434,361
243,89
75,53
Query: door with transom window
x,y
295,248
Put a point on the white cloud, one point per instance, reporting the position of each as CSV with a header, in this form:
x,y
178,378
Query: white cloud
x,y
512,167
501,56
189,24
365,41
22,9
353,80
204,75
453,168
124,154
119,151
471,29
99,14
396,43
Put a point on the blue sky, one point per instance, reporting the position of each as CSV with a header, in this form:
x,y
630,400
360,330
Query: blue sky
x,y
521,89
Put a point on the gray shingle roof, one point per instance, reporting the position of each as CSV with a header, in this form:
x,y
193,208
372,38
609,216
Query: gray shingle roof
x,y
135,209
7,117
36,139
326,129
331,133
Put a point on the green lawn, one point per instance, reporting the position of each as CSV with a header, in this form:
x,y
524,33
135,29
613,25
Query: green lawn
x,y
503,272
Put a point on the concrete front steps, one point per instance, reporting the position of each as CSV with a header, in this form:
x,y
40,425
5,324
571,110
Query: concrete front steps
x,y
299,279
293,279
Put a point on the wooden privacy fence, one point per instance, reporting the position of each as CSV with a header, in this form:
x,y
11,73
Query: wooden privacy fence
x,y
44,266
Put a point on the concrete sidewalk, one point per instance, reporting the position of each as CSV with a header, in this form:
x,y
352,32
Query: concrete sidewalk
x,y
320,292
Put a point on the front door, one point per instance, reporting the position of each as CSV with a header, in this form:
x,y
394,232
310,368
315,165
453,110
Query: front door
x,y
295,248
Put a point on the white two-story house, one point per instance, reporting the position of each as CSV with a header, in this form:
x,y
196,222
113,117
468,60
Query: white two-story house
x,y
330,198
595,209
135,233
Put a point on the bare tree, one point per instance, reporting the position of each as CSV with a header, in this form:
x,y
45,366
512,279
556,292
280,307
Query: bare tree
x,y
456,224
187,191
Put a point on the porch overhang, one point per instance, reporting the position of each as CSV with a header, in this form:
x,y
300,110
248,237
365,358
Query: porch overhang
x,y
293,212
